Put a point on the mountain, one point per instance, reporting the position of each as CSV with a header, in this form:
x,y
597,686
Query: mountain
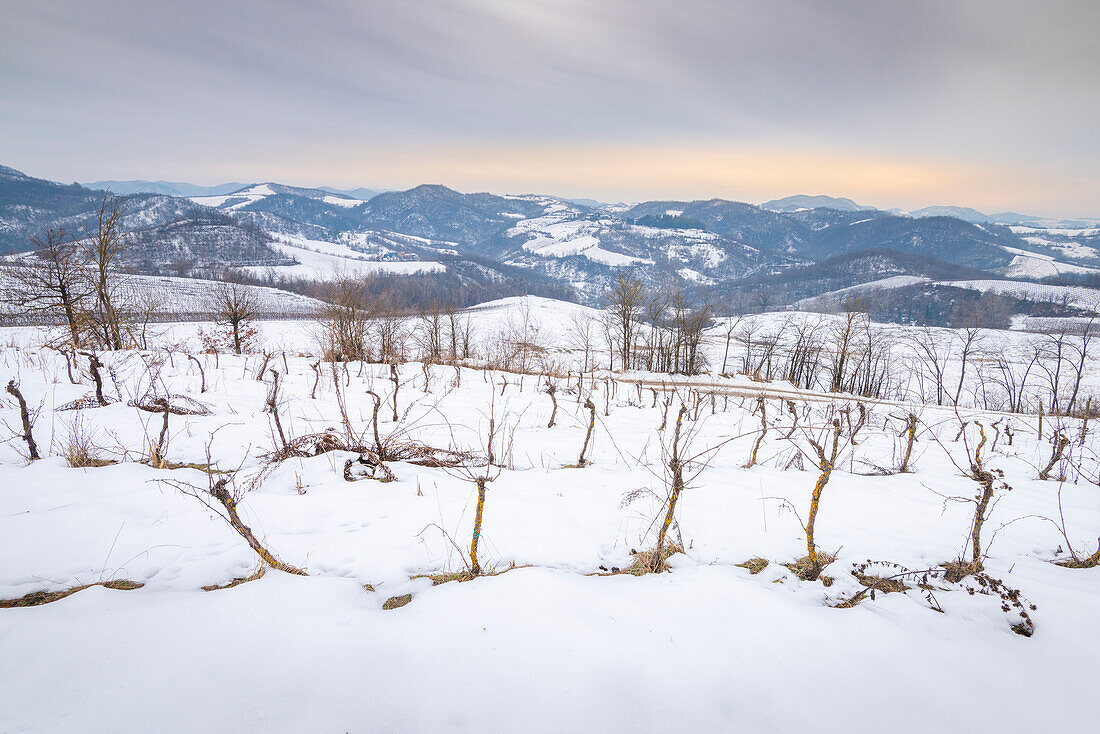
x,y
1012,218
166,188
964,213
863,269
437,212
803,201
590,203
561,246
162,230
357,193
945,238
732,219
814,234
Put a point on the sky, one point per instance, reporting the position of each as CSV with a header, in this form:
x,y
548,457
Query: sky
x,y
990,104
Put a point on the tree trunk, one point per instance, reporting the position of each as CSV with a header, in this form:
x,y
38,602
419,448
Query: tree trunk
x,y
222,495
475,565
32,447
591,425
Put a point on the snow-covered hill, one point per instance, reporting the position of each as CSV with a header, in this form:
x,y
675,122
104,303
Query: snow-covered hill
x,y
719,637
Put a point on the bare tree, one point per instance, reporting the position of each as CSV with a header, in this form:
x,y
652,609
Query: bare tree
x,y
969,340
730,324
345,319
1012,381
624,301
935,353
391,333
844,335
51,282
103,245
1055,351
430,334
582,336
1079,349
235,305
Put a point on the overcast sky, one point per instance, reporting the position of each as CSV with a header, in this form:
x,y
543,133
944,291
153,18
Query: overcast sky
x,y
994,105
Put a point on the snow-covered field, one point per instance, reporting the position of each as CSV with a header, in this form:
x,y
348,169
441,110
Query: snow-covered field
x,y
182,296
893,281
252,194
559,233
1087,299
552,639
318,259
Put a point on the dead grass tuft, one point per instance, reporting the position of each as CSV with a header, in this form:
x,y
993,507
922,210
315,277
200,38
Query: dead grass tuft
x,y
1091,562
79,448
956,571
396,602
459,576
881,584
804,569
652,561
755,565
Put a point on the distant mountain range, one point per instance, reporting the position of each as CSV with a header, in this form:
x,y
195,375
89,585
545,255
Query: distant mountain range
x,y
803,201
965,213
166,188
177,188
714,246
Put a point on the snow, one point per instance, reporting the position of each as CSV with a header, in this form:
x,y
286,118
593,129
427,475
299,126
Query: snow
x,y
893,281
320,259
1040,266
1064,232
185,296
1027,253
341,201
693,275
544,645
1077,296
253,194
559,233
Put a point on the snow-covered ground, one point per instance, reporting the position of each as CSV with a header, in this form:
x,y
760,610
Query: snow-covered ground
x,y
180,296
893,281
548,643
252,194
1087,299
560,233
318,259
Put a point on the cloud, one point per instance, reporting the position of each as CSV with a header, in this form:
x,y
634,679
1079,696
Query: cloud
x,y
97,89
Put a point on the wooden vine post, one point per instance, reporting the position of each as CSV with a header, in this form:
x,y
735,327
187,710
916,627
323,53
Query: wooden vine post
x,y
475,565
93,366
374,423
32,447
551,389
1060,444
396,383
588,436
911,438
676,467
985,478
760,437
222,495
202,373
272,404
825,463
